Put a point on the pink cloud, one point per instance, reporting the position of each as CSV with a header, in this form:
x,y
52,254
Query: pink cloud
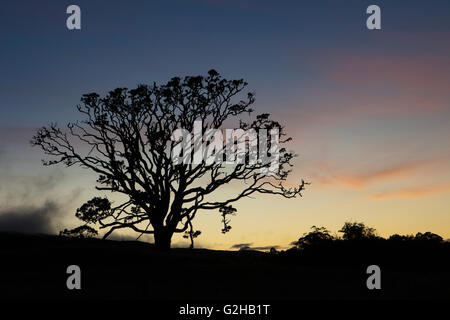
x,y
408,74
349,87
362,180
412,192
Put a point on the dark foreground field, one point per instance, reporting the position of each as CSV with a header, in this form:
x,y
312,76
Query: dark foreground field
x,y
34,267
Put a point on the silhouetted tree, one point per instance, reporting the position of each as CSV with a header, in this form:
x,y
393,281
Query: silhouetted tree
x,y
428,236
397,237
191,235
83,231
357,231
317,236
226,211
126,138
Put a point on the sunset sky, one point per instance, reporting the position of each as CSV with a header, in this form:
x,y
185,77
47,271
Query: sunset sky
x,y
368,111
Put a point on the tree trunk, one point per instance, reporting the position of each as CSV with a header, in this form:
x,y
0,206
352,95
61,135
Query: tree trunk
x,y
163,238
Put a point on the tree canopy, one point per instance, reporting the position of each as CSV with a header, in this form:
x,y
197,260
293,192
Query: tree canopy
x,y
126,138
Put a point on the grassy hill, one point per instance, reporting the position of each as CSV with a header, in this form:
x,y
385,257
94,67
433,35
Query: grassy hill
x,y
34,266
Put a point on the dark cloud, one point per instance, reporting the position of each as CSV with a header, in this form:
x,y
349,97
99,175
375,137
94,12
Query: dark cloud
x,y
30,189
265,248
33,198
33,203
241,246
248,246
30,219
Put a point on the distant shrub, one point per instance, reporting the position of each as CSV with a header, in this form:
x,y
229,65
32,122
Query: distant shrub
x,y
83,231
318,235
398,238
357,231
428,236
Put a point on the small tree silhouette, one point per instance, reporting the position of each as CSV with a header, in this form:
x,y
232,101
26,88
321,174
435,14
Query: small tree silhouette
x,y
357,231
126,139
225,211
317,236
399,238
84,231
191,235
428,236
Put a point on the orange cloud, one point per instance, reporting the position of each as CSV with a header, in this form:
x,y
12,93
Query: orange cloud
x,y
361,180
414,192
